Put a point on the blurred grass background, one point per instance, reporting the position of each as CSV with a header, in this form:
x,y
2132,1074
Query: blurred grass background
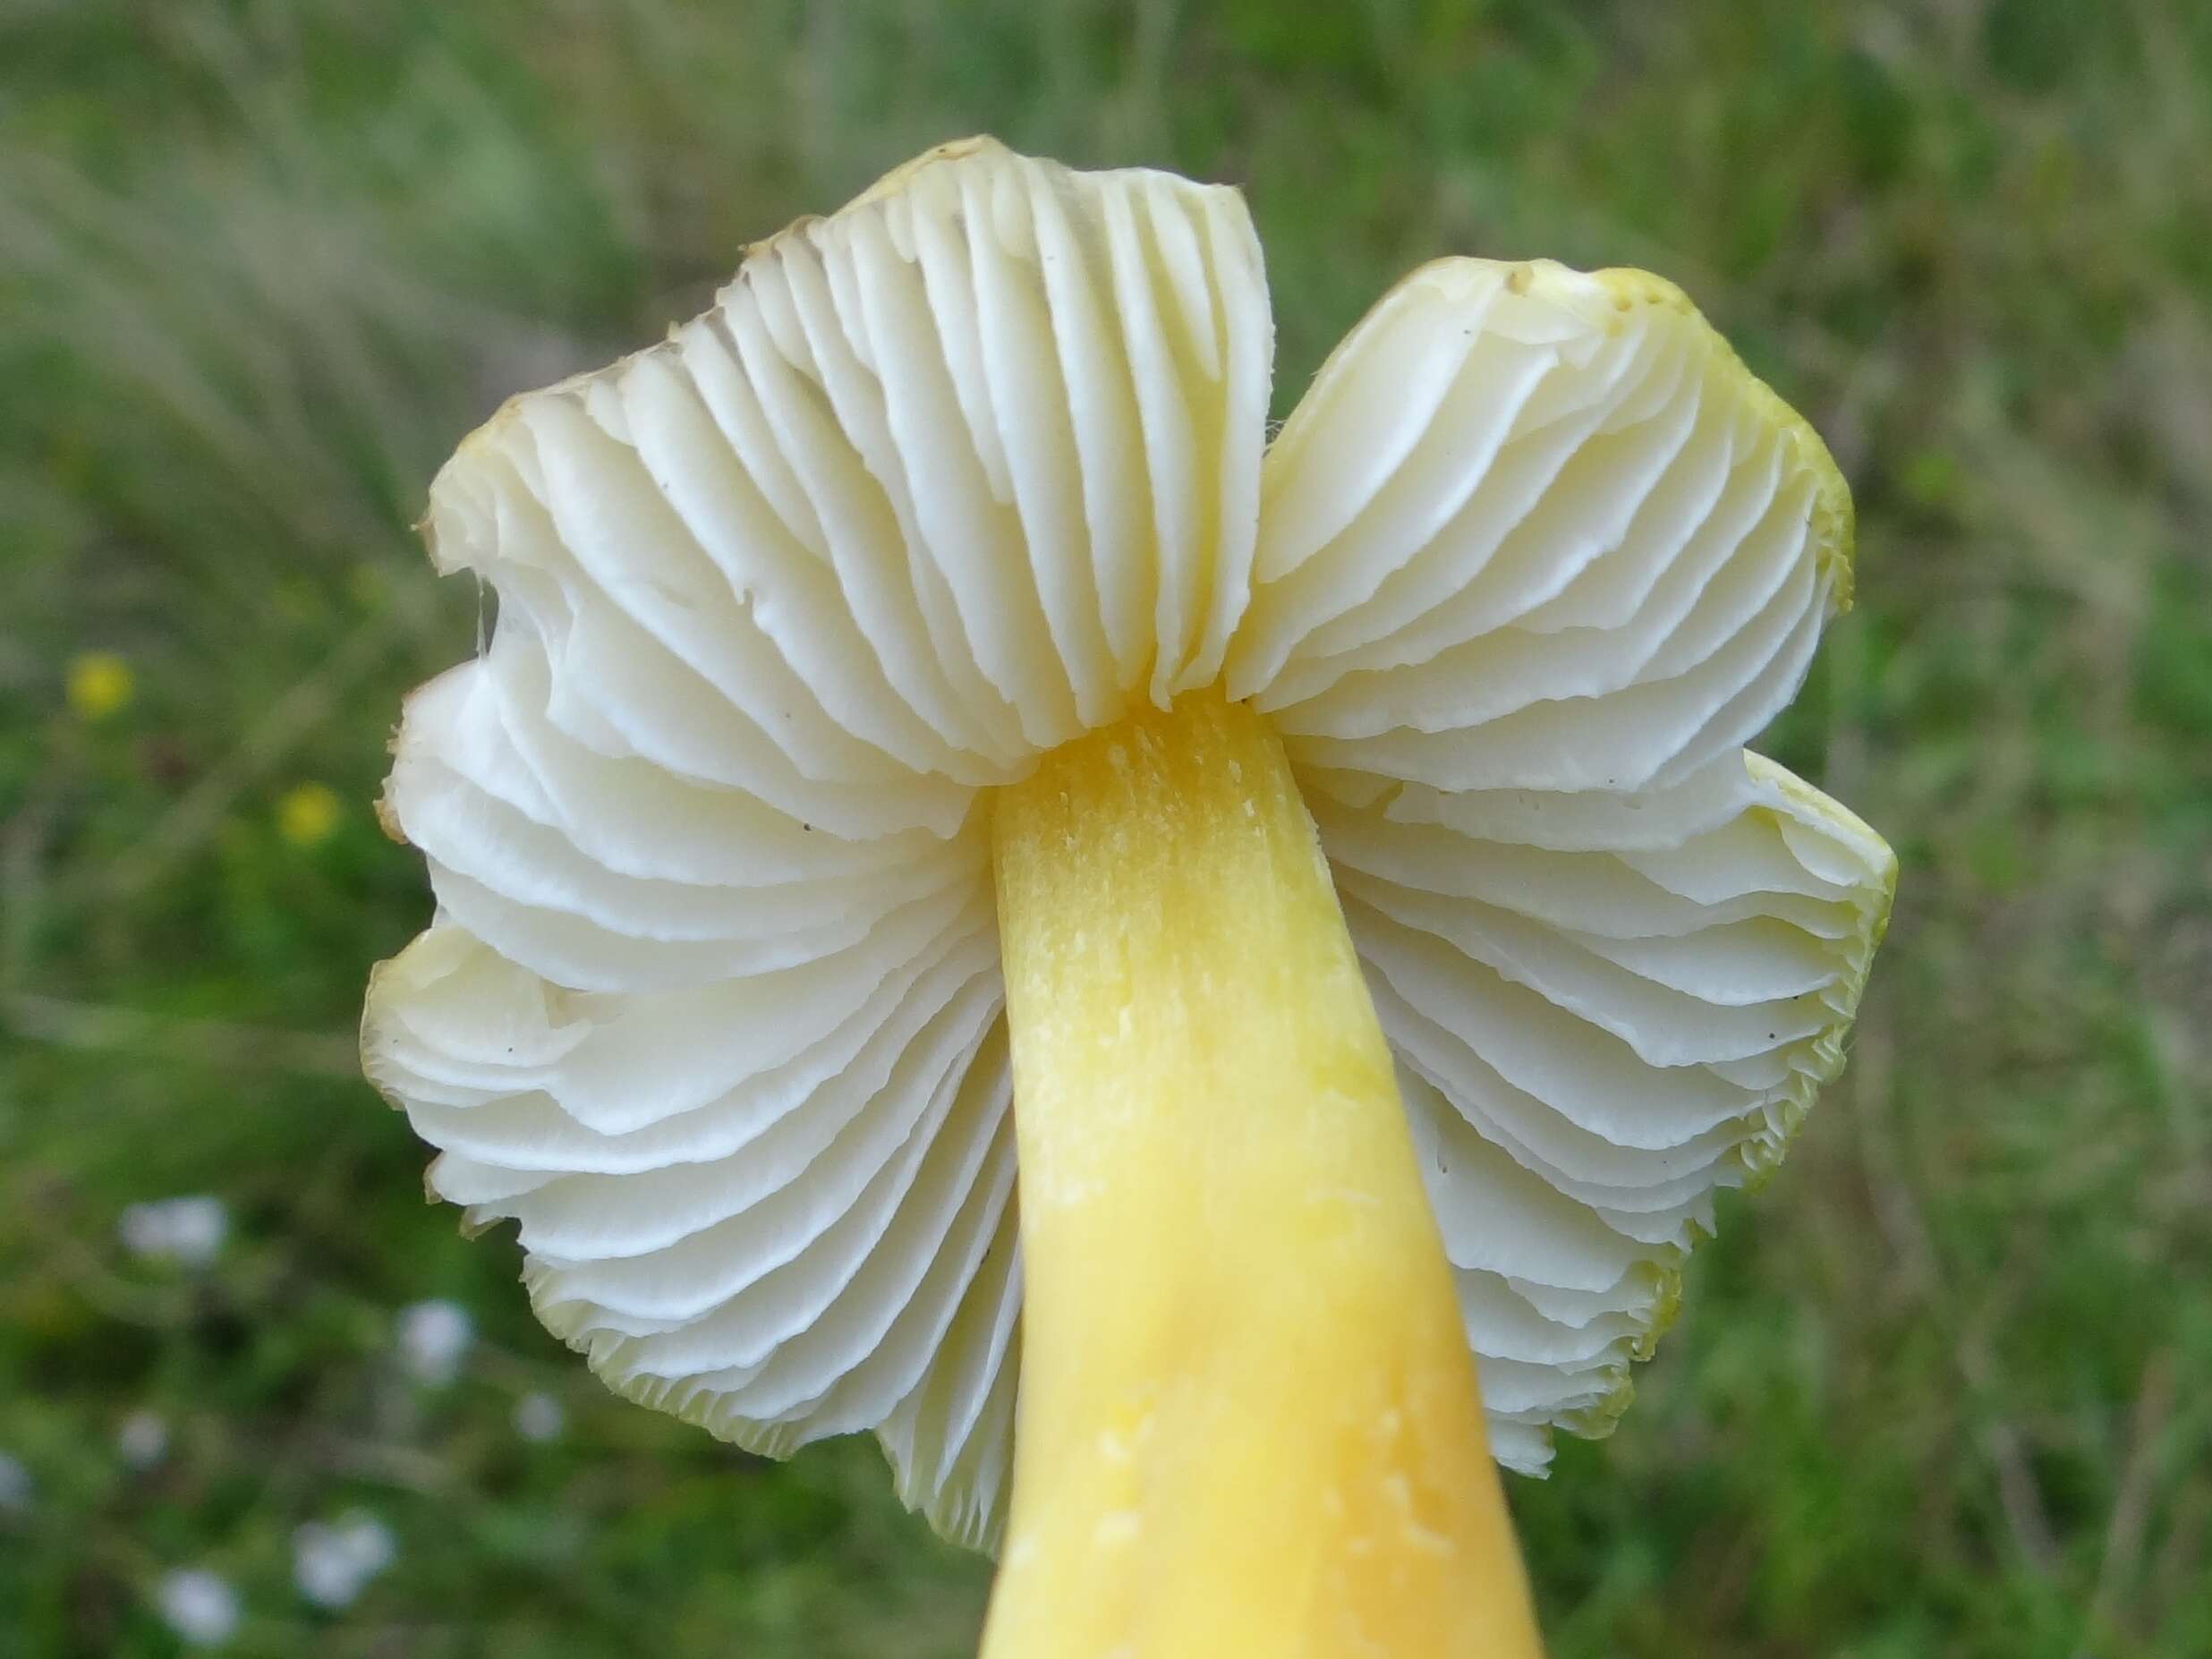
x,y
1944,1387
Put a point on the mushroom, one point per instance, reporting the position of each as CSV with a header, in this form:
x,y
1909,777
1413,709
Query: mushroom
x,y
930,734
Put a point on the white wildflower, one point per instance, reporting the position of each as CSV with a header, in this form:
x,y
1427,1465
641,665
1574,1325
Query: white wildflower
x,y
143,1439
200,1607
539,1417
187,1230
434,1337
332,1564
15,1485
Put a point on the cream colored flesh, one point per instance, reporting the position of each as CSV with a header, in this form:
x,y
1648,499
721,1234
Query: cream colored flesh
x,y
1250,1422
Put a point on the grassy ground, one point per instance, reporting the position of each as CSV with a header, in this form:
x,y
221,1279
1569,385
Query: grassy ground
x,y
1944,1387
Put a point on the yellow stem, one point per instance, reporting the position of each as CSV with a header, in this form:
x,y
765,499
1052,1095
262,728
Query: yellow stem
x,y
1248,1425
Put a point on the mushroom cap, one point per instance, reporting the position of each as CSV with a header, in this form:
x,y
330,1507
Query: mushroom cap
x,y
710,1005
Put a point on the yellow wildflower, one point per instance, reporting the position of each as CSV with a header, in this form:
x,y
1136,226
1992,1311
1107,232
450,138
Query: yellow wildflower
x,y
307,813
99,684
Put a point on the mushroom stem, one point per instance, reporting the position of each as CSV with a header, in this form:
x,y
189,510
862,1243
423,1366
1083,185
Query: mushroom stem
x,y
1248,1418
